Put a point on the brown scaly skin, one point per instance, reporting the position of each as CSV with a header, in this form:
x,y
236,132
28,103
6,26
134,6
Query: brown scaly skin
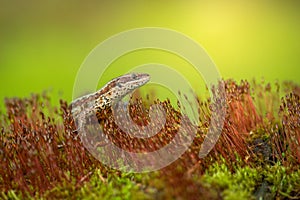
x,y
107,96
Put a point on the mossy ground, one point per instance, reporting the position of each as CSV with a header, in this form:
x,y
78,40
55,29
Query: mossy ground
x,y
256,157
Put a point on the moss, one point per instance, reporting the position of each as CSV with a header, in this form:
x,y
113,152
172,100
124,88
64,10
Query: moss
x,y
126,186
257,155
237,184
283,181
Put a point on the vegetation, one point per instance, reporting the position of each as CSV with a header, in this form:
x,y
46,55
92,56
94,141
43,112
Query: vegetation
x,y
257,155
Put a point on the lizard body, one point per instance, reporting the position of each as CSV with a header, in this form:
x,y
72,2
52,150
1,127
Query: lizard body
x,y
108,95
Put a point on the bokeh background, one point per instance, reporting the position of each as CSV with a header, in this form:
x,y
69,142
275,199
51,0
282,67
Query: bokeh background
x,y
43,43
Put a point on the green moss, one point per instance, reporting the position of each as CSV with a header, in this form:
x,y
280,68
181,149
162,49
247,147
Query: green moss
x,y
283,181
239,184
114,186
11,194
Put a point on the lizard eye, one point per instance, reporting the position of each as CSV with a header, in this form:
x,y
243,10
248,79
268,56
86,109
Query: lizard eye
x,y
134,76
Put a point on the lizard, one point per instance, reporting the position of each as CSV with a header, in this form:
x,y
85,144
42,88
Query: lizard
x,y
107,96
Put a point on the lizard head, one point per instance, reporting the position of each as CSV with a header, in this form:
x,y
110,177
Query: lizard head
x,y
119,87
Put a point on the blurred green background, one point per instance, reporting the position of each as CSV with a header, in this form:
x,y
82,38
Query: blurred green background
x,y
43,43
